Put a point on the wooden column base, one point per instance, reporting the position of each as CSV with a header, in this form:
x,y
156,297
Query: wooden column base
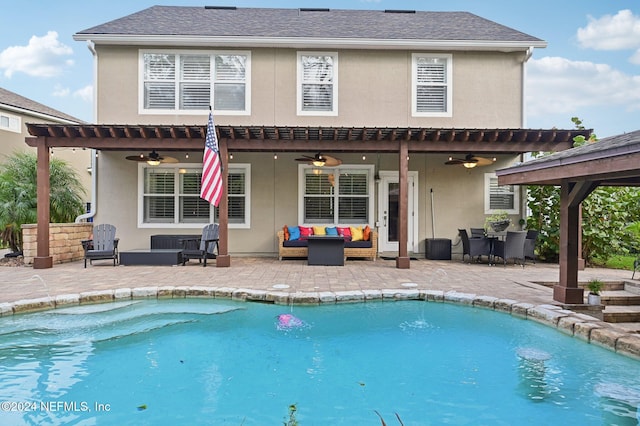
x,y
569,295
403,262
43,262
223,261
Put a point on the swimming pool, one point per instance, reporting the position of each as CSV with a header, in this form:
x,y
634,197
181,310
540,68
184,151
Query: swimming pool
x,y
222,362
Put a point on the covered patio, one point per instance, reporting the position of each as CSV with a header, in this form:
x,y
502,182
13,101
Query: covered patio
x,y
613,161
400,141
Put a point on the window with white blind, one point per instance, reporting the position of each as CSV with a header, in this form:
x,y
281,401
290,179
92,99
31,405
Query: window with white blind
x,y
317,83
431,85
189,82
170,197
500,197
341,195
9,122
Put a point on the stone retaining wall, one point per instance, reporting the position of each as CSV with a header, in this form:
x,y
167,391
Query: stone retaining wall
x,y
64,241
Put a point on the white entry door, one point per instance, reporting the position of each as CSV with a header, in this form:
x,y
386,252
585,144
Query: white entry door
x,y
388,205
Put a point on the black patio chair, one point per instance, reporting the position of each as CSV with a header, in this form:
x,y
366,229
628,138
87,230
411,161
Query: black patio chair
x,y
478,233
474,247
202,248
530,245
102,245
511,248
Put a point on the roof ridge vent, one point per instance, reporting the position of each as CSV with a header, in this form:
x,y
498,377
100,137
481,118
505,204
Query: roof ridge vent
x,y
221,7
314,9
398,11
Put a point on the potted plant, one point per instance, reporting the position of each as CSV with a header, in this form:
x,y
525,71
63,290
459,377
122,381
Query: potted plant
x,y
499,221
595,287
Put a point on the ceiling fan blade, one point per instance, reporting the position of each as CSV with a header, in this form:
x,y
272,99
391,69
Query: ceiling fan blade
x,y
454,161
168,160
137,157
330,161
482,161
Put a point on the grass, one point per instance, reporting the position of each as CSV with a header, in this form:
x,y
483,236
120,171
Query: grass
x,y
618,261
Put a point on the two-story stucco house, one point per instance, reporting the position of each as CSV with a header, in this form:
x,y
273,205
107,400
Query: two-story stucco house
x,y
16,111
392,95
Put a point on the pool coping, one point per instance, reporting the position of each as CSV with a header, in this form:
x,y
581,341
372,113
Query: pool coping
x,y
584,327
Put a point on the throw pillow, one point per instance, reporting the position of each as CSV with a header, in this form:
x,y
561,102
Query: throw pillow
x,y
319,230
344,233
305,232
332,231
357,234
294,233
286,232
366,233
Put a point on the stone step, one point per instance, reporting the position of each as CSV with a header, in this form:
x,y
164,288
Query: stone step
x,y
620,314
619,297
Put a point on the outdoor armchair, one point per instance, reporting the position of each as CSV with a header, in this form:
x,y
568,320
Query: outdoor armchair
x,y
511,248
202,248
102,245
474,247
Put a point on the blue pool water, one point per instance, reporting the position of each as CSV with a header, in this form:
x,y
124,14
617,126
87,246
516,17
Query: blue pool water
x,y
226,363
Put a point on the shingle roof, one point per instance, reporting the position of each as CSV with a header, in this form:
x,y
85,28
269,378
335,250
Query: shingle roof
x,y
14,100
314,24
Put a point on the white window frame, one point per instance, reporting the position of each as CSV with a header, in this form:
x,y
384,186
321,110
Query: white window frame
x,y
235,168
212,55
15,123
487,196
370,191
448,112
300,82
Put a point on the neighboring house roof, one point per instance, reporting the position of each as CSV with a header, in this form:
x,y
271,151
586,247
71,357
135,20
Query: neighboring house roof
x,y
294,27
20,104
611,161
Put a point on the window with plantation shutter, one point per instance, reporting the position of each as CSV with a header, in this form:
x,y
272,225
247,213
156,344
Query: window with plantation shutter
x,y
191,82
432,92
171,196
317,83
500,197
340,195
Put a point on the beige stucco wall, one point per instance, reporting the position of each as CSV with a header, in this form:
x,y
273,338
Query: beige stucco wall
x,y
374,90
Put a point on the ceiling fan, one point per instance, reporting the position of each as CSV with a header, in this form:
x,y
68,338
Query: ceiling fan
x,y
320,160
470,161
153,159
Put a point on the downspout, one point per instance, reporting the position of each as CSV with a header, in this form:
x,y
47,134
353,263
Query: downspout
x,y
94,158
524,194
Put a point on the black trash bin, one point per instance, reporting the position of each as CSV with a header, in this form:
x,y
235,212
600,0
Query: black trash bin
x,y
438,249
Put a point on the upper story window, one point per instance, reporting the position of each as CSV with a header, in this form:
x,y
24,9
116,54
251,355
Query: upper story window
x,y
431,85
500,197
190,82
11,123
340,195
170,197
317,83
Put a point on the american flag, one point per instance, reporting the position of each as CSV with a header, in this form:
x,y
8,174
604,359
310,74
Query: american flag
x,y
211,185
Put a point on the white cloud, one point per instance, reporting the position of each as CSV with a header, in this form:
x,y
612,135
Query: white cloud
x,y
60,92
86,93
558,85
43,57
617,32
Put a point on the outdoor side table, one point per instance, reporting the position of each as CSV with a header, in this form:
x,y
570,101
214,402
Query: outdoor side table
x,y
326,250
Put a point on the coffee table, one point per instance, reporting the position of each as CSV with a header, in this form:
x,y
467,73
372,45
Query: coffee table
x,y
151,257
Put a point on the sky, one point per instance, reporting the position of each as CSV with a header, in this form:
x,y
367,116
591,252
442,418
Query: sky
x,y
590,68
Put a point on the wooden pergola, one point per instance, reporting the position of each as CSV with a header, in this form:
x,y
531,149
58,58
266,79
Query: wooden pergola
x,y
401,141
614,161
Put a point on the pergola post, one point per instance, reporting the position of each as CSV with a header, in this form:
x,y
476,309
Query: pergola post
x,y
223,259
43,260
403,261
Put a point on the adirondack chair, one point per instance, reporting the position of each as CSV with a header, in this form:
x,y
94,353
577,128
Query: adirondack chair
x,y
103,245
202,248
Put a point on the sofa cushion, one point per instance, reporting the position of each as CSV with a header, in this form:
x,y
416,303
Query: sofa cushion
x,y
332,231
366,233
305,232
357,244
344,232
285,229
295,243
357,233
294,233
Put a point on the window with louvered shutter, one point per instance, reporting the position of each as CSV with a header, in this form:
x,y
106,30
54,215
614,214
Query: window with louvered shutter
x,y
159,201
500,197
432,85
317,83
192,82
336,196
193,209
236,190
